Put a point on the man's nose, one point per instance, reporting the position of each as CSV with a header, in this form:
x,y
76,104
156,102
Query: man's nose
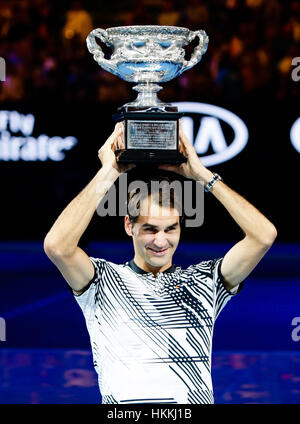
x,y
160,239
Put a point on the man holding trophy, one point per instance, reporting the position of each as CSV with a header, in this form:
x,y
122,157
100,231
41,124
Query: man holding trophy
x,y
151,322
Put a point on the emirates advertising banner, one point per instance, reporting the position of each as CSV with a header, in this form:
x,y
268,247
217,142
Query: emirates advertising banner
x,y
217,134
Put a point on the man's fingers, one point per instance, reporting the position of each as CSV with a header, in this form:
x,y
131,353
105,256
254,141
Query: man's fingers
x,y
187,146
115,141
121,145
184,138
116,133
184,142
181,148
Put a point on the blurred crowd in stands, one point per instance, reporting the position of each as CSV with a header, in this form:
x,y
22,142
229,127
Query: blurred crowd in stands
x,y
252,44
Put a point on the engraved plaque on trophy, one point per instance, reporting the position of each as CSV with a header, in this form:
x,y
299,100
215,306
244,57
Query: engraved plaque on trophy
x,y
147,55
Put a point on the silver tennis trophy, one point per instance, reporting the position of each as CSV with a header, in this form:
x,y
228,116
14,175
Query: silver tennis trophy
x,y
148,55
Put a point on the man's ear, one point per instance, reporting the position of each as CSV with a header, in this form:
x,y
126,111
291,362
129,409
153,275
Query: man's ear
x,y
128,226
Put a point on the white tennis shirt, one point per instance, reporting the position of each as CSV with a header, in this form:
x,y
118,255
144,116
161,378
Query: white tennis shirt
x,y
151,337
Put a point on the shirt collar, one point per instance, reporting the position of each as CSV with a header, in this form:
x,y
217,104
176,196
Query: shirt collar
x,y
139,270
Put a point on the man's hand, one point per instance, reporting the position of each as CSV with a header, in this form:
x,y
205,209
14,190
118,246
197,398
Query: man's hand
x,y
107,152
193,168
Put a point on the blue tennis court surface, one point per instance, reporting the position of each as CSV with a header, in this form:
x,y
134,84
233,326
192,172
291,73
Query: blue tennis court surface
x,y
61,376
46,357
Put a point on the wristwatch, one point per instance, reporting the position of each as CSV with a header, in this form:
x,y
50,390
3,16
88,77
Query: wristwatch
x,y
211,183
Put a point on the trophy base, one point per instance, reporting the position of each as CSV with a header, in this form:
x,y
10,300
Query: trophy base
x,y
151,136
151,157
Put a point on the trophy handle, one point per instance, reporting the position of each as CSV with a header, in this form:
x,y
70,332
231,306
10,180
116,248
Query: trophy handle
x,y
199,50
95,49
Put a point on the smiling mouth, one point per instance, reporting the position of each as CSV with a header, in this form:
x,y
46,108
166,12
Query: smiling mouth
x,y
158,252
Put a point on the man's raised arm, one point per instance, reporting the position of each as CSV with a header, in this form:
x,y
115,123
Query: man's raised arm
x,y
61,242
259,232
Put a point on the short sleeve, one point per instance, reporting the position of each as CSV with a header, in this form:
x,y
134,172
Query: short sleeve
x,y
93,292
222,294
208,276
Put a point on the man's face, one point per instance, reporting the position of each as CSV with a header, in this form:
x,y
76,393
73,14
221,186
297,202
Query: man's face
x,y
155,235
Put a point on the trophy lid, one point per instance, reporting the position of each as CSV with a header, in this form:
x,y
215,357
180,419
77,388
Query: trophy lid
x,y
140,30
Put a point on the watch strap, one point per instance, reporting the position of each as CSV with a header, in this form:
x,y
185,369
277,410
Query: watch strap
x,y
212,182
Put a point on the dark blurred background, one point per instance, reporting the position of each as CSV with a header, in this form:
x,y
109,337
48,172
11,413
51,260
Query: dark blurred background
x,y
51,76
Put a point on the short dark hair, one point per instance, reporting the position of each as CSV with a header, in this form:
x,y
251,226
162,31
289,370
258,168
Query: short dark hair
x,y
162,191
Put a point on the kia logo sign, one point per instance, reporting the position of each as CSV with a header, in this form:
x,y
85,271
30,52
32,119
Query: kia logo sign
x,y
295,135
210,135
